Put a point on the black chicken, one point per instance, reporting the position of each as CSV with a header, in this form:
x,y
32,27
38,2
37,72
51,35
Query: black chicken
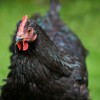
x,y
46,65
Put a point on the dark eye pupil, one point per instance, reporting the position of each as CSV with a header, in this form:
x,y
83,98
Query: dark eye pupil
x,y
29,30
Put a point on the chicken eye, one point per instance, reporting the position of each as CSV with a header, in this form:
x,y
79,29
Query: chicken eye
x,y
29,31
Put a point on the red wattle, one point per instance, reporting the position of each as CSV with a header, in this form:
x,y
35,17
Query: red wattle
x,y
19,45
22,45
25,46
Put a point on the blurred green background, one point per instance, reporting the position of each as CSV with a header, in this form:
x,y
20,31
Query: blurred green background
x,y
82,16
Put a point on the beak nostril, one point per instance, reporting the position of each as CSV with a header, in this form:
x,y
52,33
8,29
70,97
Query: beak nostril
x,y
20,36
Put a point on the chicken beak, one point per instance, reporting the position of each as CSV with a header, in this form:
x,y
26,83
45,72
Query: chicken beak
x,y
18,39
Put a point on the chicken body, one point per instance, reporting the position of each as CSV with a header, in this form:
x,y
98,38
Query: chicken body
x,y
42,73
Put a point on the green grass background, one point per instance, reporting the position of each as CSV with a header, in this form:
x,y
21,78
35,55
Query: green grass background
x,y
82,16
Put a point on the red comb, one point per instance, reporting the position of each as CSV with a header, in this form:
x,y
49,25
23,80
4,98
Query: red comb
x,y
22,24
